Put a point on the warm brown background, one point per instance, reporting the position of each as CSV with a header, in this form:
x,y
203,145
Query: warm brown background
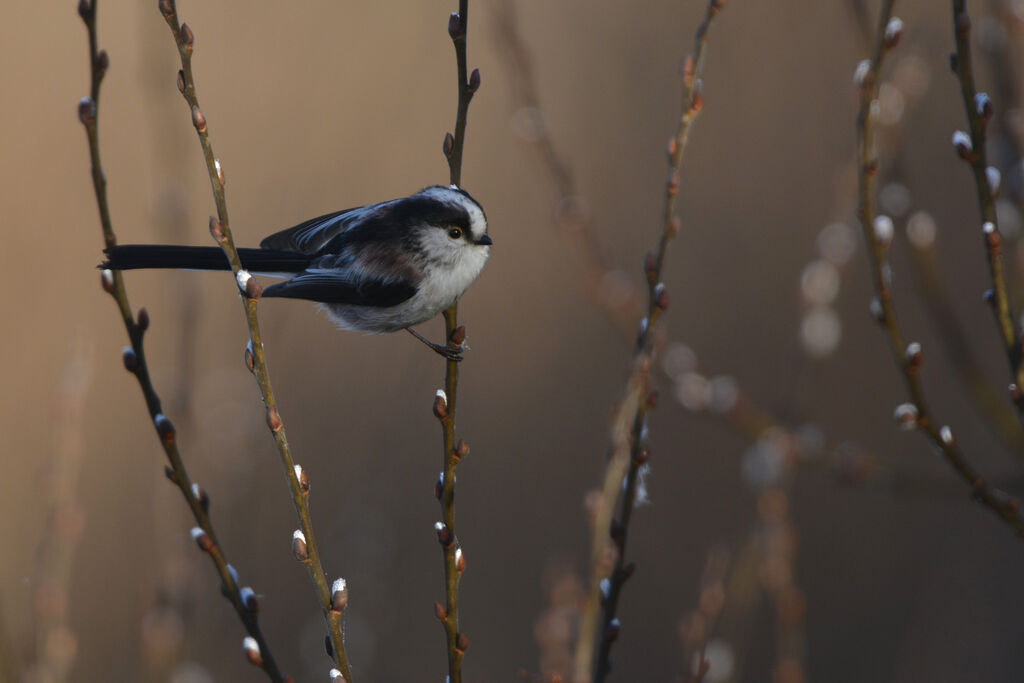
x,y
315,106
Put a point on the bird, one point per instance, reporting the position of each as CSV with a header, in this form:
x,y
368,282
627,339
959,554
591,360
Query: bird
x,y
377,268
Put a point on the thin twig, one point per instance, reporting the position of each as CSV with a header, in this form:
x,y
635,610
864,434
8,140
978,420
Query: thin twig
x,y
979,111
908,358
444,407
135,361
330,604
657,302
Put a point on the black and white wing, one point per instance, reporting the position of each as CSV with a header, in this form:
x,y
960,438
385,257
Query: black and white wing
x,y
311,236
331,286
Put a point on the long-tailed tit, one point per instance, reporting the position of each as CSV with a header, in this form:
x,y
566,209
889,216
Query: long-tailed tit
x,y
377,268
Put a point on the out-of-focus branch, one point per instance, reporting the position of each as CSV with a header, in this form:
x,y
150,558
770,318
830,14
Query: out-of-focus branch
x,y
629,452
332,599
444,404
986,182
242,599
878,231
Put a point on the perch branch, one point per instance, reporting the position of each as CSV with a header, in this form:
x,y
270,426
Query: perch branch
x,y
255,357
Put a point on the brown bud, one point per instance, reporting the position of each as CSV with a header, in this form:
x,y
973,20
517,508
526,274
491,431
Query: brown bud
x,y
440,406
299,549
461,449
992,238
250,360
87,111
440,612
202,539
462,643
642,455
216,230
187,36
220,171
253,289
143,319
474,81
673,182
652,399
339,595
166,8
102,62
439,488
687,69
252,651
673,226
274,419
198,120
130,359
84,9
444,534
107,281
249,600
328,645
300,474
460,560
697,103
650,267
181,81
448,146
164,428
1016,395
660,296
671,148
458,335
913,356
453,25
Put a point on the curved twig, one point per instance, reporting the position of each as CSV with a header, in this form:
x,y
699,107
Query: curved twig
x,y
331,602
242,599
915,414
979,110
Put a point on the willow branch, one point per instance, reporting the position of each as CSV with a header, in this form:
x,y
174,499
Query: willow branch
x,y
986,182
877,234
331,601
242,599
609,570
444,406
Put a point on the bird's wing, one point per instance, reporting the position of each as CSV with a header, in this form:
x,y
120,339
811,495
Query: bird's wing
x,y
339,287
311,236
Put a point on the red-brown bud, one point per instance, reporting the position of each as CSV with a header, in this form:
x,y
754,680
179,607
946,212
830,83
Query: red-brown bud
x,y
198,120
216,230
87,111
449,145
274,419
181,81
453,25
474,81
440,612
462,643
166,8
142,320
187,37
164,428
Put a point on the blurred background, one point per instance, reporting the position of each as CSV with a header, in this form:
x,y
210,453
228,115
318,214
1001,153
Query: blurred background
x,y
791,526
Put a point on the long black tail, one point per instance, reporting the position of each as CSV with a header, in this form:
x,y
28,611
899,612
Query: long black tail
x,y
134,256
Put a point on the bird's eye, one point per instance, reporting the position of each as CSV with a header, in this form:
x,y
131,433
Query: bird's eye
x,y
455,233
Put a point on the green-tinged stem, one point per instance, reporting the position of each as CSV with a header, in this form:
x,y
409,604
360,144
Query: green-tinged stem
x,y
220,227
455,640
1007,508
978,121
136,361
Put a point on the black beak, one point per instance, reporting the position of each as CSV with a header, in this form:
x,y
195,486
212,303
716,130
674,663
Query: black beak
x,y
484,241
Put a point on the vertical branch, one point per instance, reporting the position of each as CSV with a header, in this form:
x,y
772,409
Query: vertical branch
x,y
243,599
986,181
878,232
332,599
630,454
444,405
